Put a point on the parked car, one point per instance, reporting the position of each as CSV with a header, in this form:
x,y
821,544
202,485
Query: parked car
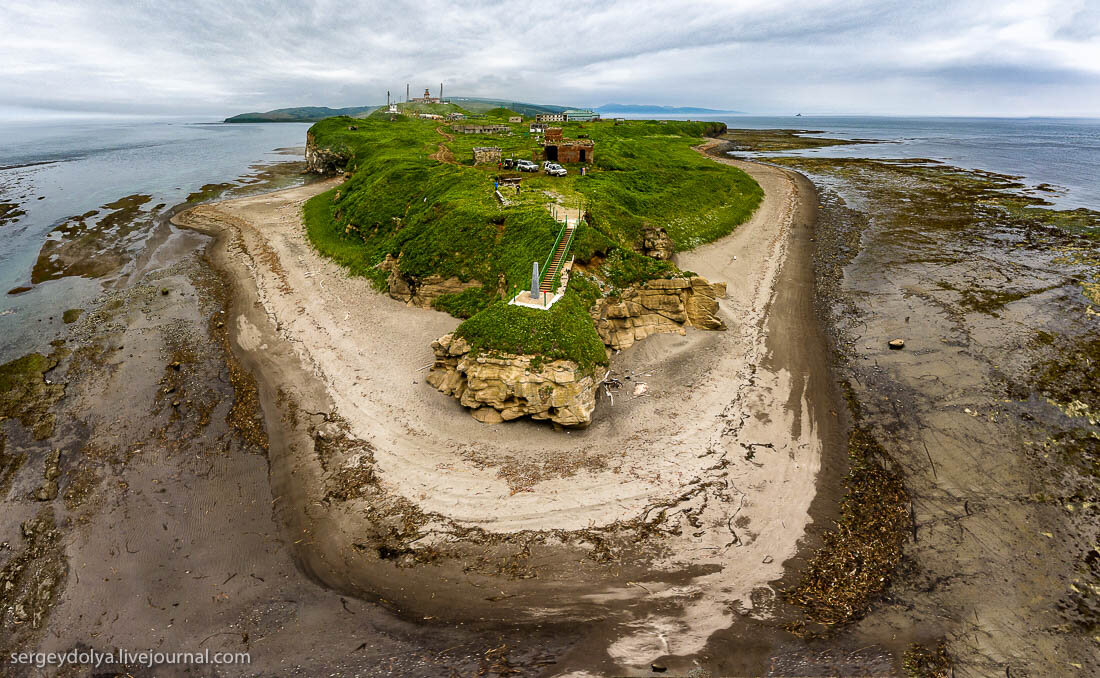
x,y
556,170
526,166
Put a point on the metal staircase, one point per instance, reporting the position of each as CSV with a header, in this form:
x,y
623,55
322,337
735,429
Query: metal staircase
x,y
557,258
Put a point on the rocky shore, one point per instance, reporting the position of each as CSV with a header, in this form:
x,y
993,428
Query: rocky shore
x,y
975,427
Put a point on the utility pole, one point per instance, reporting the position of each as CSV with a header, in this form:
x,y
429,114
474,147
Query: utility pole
x,y
406,92
440,92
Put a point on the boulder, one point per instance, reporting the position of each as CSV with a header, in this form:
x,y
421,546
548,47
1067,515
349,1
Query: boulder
x,y
656,243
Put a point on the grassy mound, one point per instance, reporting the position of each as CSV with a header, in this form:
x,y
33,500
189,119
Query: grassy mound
x,y
499,113
563,332
438,213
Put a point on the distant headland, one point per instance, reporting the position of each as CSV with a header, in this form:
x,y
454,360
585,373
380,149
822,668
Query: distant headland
x,y
472,104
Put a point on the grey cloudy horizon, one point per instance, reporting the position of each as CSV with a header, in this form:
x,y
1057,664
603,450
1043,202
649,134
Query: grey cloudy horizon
x,y
219,57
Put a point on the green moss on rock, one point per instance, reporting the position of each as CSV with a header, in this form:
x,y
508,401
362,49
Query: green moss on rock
x,y
26,396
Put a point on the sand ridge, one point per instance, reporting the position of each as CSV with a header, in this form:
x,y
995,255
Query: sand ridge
x,y
714,448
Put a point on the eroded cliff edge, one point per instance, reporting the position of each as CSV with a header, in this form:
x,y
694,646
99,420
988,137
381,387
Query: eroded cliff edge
x,y
501,387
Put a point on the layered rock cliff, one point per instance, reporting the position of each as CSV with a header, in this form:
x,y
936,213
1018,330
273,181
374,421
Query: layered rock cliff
x,y
664,305
502,387
420,291
323,160
656,243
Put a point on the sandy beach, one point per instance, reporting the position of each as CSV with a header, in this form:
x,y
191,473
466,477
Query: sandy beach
x,y
719,458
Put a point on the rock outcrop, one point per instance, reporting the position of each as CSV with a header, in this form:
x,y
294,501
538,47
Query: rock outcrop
x,y
420,291
323,160
656,243
504,386
664,305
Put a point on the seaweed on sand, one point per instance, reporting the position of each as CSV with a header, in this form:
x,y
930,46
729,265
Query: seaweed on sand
x,y
862,550
924,662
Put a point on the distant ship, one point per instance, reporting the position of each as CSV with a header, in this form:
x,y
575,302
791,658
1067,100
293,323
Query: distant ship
x,y
798,115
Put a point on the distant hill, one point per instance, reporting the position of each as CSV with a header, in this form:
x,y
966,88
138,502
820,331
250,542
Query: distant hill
x,y
473,105
640,109
478,105
302,114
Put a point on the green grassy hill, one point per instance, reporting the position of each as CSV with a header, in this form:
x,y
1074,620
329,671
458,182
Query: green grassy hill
x,y
479,106
301,114
443,218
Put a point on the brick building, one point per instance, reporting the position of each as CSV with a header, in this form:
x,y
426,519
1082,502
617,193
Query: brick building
x,y
570,150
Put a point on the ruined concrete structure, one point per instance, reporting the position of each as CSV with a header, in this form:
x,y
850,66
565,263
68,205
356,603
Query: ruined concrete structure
x,y
486,154
570,150
515,118
553,134
482,129
581,115
549,117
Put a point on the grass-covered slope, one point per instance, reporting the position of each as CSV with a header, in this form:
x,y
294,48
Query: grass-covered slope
x,y
437,213
300,114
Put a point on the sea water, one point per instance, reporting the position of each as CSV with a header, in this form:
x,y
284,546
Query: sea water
x,y
54,171
1061,152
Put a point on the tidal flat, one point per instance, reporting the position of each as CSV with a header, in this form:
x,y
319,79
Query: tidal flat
x,y
956,532
988,415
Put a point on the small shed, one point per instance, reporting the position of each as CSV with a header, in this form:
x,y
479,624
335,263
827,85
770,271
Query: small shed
x,y
515,118
486,154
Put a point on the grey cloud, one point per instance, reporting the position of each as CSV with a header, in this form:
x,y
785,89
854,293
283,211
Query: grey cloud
x,y
218,57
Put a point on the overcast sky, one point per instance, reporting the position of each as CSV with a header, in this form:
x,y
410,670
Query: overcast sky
x,y
220,57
